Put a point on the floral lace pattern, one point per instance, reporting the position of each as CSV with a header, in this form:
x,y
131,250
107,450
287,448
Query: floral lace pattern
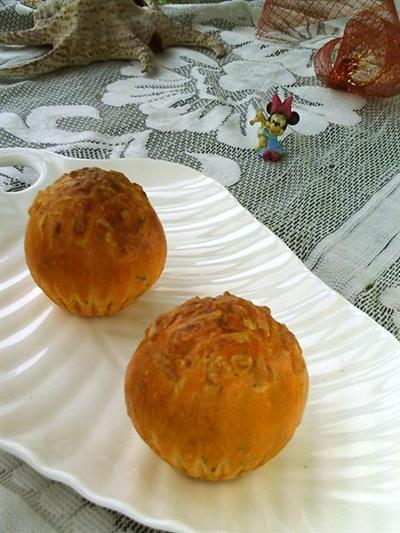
x,y
192,92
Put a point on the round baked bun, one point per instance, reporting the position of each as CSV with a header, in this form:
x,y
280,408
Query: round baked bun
x,y
93,242
217,387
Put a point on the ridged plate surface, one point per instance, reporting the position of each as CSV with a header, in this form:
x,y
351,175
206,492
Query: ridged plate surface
x,y
62,376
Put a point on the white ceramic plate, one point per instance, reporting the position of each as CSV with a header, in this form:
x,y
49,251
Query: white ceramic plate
x,y
62,376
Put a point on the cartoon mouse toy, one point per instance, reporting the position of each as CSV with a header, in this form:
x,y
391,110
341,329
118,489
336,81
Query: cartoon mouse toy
x,y
280,115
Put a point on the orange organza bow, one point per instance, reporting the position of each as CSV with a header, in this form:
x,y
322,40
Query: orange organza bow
x,y
366,60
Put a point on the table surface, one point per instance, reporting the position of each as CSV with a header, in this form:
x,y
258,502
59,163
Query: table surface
x,y
334,199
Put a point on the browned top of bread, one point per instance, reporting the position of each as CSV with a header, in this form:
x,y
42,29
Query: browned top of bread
x,y
94,199
229,336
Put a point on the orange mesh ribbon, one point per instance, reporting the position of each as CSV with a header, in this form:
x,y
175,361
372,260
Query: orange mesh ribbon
x,y
366,60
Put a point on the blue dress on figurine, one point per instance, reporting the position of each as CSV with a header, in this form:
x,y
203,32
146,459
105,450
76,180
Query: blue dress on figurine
x,y
273,145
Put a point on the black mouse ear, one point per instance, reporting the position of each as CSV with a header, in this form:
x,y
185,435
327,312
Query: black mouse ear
x,y
269,108
294,118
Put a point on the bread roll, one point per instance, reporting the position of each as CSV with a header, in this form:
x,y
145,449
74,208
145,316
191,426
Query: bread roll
x,y
217,387
93,242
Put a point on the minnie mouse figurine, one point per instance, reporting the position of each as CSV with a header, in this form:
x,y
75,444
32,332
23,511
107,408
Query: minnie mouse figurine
x,y
280,115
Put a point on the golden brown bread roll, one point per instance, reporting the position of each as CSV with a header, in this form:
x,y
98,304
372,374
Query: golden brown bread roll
x,y
217,387
93,242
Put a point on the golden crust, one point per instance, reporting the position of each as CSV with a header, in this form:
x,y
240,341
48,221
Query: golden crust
x,y
217,387
93,242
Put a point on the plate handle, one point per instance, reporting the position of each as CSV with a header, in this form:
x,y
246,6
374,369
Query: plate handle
x,y
46,164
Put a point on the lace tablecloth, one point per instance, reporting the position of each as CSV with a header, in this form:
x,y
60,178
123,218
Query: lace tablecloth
x,y
335,199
